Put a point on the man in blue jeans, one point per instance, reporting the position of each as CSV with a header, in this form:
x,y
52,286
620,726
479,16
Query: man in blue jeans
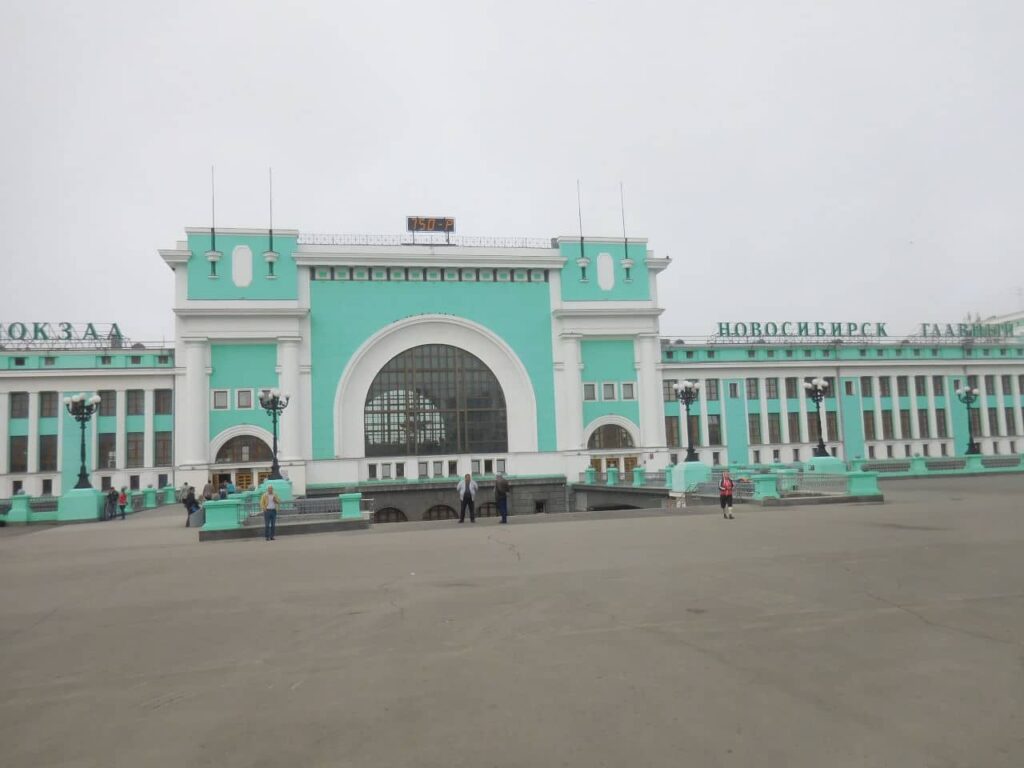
x,y
269,503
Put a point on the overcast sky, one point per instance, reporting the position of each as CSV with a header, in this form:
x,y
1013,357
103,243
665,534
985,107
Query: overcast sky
x,y
804,160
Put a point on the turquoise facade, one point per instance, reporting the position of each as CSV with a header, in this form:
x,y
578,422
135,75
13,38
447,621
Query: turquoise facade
x,y
609,361
634,286
237,367
204,285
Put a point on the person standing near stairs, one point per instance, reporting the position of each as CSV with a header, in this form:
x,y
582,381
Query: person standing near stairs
x,y
269,503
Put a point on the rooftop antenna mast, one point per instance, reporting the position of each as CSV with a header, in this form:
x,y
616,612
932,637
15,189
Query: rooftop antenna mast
x,y
213,211
270,175
627,262
582,261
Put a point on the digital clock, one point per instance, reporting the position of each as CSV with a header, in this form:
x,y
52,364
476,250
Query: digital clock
x,y
429,224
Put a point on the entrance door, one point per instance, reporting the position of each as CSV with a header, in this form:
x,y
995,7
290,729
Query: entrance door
x,y
243,479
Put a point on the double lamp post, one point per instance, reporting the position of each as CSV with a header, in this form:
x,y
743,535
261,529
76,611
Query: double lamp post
x,y
274,403
968,396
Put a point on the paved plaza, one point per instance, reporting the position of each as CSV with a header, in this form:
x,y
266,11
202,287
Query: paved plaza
x,y
822,636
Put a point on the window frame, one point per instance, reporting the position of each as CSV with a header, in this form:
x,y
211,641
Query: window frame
x,y
238,399
227,399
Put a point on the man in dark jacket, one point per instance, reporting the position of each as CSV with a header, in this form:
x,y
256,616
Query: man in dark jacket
x,y
190,504
501,489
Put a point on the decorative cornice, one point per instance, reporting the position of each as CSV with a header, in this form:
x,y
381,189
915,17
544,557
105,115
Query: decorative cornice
x,y
242,231
609,312
429,256
242,310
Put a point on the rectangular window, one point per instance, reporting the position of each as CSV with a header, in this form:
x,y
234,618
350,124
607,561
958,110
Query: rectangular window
x,y
371,472
757,457
922,425
830,390
107,450
500,465
791,387
832,425
105,483
474,466
438,469
972,381
869,425
133,482
385,471
136,405
220,399
163,402
813,432
794,427
672,431
888,452
751,389
711,390
884,386
134,443
905,423
47,405
1011,425
774,428
628,390
902,386
941,430
19,405
136,359
162,455
990,384
734,390
108,402
453,468
920,388
47,487
18,453
925,451
849,387
399,470
865,386
1004,382
993,421
243,399
871,451
796,454
488,466
668,391
937,385
887,425
47,453
754,427
714,429
590,392
771,389
608,391
976,417
423,469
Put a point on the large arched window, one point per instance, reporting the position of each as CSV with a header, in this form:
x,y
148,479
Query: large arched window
x,y
243,449
435,399
610,437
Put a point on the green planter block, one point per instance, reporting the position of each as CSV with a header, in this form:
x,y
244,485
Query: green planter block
x,y
862,484
19,512
283,488
167,494
149,498
973,463
590,476
918,466
829,465
80,504
856,465
613,476
222,514
687,475
639,477
350,506
765,486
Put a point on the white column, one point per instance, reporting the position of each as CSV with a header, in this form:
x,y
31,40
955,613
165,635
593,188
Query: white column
x,y
1018,413
5,438
58,487
121,436
933,426
805,427
193,411
915,426
982,405
648,386
569,401
762,398
702,417
147,429
33,433
897,422
783,412
291,421
1001,425
879,429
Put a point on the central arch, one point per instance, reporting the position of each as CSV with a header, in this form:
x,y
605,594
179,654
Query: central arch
x,y
421,330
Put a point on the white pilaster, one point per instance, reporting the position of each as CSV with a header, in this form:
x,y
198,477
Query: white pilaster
x,y
569,401
33,433
652,422
292,418
982,405
762,397
121,436
147,430
1018,412
933,425
879,427
192,423
5,439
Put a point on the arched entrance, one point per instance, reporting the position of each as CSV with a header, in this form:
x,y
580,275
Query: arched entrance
x,y
611,445
243,460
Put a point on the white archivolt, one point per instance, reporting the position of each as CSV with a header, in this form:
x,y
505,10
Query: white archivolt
x,y
622,421
520,402
242,429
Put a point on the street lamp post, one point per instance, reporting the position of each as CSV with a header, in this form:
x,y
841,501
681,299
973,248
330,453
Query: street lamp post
x,y
968,396
82,408
816,388
274,403
687,392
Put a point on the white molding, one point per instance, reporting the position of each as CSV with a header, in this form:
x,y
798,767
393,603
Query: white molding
x,y
237,431
415,256
612,418
242,309
608,309
241,231
381,347
589,240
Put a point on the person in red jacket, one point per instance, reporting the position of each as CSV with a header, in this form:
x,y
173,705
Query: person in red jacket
x,y
122,501
725,489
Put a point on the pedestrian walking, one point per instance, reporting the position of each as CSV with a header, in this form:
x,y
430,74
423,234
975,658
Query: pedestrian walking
x,y
269,503
190,504
222,492
501,490
110,508
467,496
122,500
208,491
231,488
725,489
